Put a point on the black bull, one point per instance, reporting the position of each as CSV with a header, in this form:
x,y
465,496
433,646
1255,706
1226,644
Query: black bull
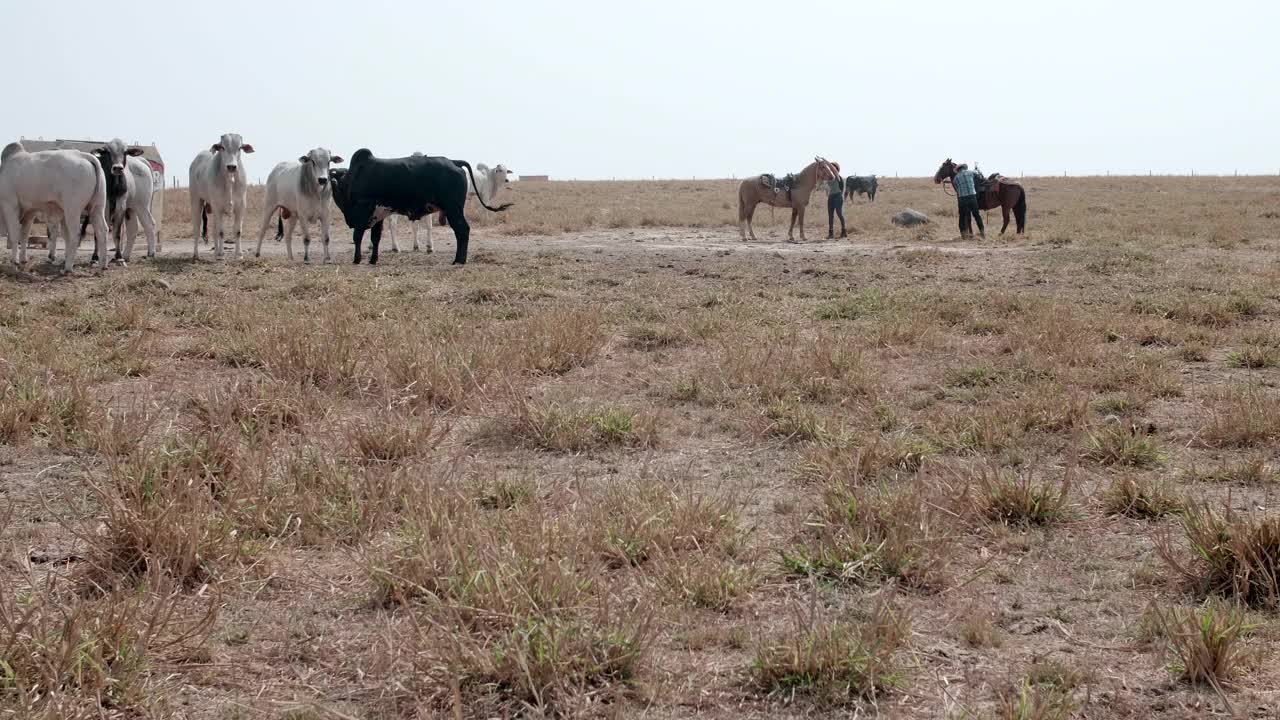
x,y
860,184
413,186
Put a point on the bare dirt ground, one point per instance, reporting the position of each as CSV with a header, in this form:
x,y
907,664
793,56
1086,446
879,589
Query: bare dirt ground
x,y
617,469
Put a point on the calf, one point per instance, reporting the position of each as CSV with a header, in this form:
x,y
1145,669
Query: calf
x,y
300,191
415,186
129,194
391,225
861,184
219,182
59,183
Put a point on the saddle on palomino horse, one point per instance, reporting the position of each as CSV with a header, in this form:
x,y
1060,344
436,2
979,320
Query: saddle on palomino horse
x,y
776,184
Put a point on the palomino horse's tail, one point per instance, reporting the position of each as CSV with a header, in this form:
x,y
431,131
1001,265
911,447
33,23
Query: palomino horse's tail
x,y
1020,210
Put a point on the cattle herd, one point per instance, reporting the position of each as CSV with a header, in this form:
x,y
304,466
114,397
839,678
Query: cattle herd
x,y
111,189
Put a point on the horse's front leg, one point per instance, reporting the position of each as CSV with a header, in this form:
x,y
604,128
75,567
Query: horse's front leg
x,y
791,230
800,215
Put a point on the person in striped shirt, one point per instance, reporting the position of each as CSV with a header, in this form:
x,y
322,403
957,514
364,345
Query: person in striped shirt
x,y
965,184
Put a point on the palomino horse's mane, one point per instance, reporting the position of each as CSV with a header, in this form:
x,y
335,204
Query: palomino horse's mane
x,y
820,163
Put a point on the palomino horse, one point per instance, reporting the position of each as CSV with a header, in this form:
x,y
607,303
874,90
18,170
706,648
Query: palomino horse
x,y
1005,194
754,191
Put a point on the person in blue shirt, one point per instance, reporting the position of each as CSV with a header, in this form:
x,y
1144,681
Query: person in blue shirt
x,y
965,183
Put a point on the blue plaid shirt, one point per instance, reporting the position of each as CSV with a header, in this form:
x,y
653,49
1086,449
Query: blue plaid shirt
x,y
963,183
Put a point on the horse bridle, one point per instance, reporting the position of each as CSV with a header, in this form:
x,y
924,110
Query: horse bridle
x,y
948,181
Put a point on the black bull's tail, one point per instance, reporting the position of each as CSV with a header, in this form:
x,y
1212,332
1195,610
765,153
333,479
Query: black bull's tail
x,y
280,226
1020,209
467,165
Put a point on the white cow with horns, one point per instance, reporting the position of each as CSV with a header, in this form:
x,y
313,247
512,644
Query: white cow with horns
x,y
63,184
219,182
300,191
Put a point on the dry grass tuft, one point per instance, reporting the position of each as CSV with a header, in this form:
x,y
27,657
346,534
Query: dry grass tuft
x,y
556,341
1215,311
549,425
653,336
1254,356
849,461
977,630
36,406
325,351
1234,555
1243,417
1029,701
1248,471
863,532
835,661
1017,498
637,521
63,657
257,409
867,303
1208,642
786,367
1141,497
1115,444
393,437
162,515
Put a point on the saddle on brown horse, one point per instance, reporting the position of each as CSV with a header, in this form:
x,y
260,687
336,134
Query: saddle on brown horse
x,y
776,184
994,182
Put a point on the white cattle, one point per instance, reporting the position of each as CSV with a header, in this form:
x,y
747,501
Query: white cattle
x,y
219,182
300,191
491,180
394,220
63,184
129,194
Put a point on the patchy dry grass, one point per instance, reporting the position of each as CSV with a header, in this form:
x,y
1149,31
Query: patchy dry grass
x,y
595,471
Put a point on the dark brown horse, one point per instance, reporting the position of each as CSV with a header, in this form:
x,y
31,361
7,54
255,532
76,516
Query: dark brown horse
x,y
1004,194
754,191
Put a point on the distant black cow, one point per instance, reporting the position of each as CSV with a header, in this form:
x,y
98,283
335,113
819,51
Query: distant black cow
x,y
374,188
862,184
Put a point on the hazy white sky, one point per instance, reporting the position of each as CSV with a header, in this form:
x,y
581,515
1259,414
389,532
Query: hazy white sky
x,y
706,88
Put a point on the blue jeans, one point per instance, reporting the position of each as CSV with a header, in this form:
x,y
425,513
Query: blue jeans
x,y
968,205
835,206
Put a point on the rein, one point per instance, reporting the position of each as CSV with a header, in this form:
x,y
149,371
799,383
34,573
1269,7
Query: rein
x,y
946,182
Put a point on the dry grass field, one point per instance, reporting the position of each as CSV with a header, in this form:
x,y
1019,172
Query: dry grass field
x,y
623,465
